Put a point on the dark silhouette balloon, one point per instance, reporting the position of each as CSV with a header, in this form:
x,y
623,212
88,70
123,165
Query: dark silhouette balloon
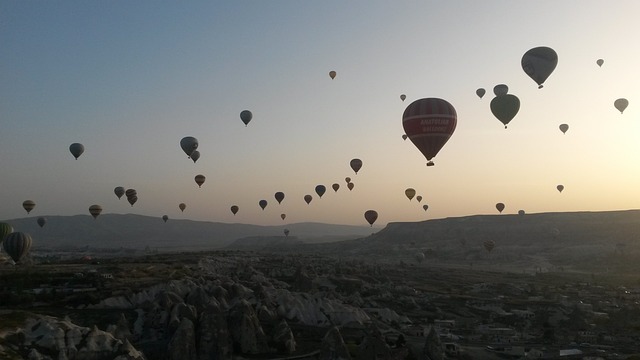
x,y
335,187
28,205
131,192
539,63
132,199
500,89
621,104
165,218
489,245
371,216
262,203
480,92
283,216
320,190
356,165
76,150
403,97
234,209
246,116
505,108
404,136
564,128
5,229
189,144
350,186
600,62
286,232
279,196
95,210
425,207
500,207
41,221
429,123
521,212
332,74
119,191
410,193
200,179
17,245
308,198
419,198
347,179
195,155
182,206
560,188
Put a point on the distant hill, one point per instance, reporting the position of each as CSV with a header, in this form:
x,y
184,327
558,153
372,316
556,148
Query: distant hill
x,y
263,243
138,232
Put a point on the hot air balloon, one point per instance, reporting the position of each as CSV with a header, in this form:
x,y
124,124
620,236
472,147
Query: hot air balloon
x,y
560,188
500,207
347,179
246,116
308,198
419,198
404,136
41,221
489,245
505,108
234,209
5,229
262,203
410,193
132,199
95,210
335,187
429,123
332,74
131,192
286,232
195,155
621,104
600,62
480,92
350,186
28,205
521,212
200,179
539,63
279,196
371,216
500,89
119,191
403,96
165,218
283,216
425,207
76,150
182,206
320,190
564,128
189,144
17,245
355,164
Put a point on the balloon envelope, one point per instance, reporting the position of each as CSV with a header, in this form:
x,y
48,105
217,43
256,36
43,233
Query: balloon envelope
x,y
28,205
131,192
119,191
189,144
419,198
403,97
404,136
76,150
539,63
425,207
308,198
132,199
621,104
600,62
283,216
347,179
371,216
17,245
505,108
320,190
489,245
195,155
560,188
95,210
5,229
350,186
356,165
564,128
429,123
262,203
521,212
200,179
335,187
480,92
500,89
500,207
165,218
286,232
410,193
234,209
182,206
279,196
332,74
41,221
246,116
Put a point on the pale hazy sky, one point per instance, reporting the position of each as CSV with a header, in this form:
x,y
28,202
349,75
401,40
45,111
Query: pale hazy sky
x,y
130,79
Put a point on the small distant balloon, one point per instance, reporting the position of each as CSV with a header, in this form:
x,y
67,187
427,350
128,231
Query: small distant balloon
x,y
195,155
308,198
403,97
200,179
131,192
350,186
539,63
246,116
621,104
283,216
76,150
505,108
262,204
335,187
320,190
404,136
371,216
564,128
182,206
425,207
500,207
480,92
286,232
419,198
41,221
234,209
279,196
489,245
500,89
95,210
132,199
119,191
347,179
189,144
521,212
28,205
332,74
560,188
165,218
17,245
410,193
600,62
356,165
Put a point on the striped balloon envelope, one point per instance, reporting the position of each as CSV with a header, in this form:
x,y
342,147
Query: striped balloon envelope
x,y
17,245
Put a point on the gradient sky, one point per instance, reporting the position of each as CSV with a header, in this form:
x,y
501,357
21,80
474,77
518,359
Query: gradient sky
x,y
130,79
